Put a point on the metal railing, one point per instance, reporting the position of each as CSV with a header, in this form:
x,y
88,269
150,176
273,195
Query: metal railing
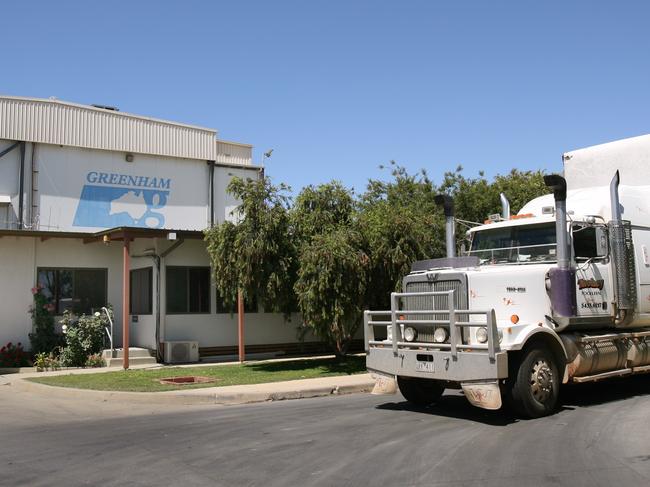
x,y
109,332
397,320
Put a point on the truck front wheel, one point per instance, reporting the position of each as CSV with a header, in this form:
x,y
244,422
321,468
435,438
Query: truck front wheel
x,y
420,392
534,385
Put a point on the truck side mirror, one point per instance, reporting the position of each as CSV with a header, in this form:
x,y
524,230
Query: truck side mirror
x,y
589,241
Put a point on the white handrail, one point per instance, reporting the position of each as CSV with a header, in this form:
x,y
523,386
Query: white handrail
x,y
109,333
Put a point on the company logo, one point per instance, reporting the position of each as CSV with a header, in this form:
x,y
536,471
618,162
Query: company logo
x,y
121,200
591,283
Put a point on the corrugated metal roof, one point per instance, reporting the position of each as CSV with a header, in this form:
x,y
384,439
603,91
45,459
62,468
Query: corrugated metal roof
x,y
53,121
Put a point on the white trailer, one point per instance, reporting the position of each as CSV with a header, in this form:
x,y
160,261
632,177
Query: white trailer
x,y
558,293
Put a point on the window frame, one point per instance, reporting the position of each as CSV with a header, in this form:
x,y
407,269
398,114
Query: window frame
x,y
150,293
187,291
56,301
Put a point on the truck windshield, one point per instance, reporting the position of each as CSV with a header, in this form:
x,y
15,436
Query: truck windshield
x,y
517,244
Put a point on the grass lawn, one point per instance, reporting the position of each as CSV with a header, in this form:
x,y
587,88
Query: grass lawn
x,y
227,375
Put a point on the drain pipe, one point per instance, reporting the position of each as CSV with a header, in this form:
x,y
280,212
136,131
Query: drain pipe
x,y
447,203
160,321
211,190
562,277
505,207
21,185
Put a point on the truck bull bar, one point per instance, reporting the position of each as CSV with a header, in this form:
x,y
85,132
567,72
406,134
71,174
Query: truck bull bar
x,y
398,319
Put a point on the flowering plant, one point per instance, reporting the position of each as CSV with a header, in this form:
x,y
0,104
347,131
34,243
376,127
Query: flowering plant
x,y
43,338
13,356
84,336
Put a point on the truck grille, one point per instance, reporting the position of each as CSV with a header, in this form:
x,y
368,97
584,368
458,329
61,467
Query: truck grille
x,y
435,302
425,332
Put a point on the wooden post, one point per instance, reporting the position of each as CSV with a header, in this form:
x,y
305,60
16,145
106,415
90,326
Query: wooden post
x,y
125,302
240,326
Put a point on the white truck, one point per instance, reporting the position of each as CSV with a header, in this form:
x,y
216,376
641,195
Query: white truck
x,y
558,293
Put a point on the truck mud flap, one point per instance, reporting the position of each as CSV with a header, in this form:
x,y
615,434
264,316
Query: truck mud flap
x,y
486,395
384,384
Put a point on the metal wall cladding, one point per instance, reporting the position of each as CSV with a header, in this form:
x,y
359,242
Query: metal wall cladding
x,y
62,123
233,153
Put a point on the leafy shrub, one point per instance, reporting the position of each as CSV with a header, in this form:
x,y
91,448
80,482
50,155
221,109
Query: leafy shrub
x,y
13,356
83,337
46,361
43,338
95,360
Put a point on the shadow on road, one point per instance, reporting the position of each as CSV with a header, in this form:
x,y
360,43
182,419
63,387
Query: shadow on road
x,y
456,406
572,397
606,391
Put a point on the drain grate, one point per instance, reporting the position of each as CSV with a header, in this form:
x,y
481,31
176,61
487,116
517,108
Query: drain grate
x,y
186,380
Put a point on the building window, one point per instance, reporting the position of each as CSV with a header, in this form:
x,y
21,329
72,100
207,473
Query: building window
x,y
250,305
188,290
79,290
141,291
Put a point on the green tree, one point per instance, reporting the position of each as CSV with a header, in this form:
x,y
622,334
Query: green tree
x,y
477,198
257,254
319,209
400,224
331,286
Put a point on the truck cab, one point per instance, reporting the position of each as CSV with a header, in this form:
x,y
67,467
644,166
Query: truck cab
x,y
544,297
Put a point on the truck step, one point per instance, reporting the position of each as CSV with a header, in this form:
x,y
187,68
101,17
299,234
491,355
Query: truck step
x,y
604,375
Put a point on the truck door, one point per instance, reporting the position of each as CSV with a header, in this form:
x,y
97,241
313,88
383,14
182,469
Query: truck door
x,y
641,239
593,281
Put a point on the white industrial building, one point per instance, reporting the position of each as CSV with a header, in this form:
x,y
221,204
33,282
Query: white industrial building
x,y
88,191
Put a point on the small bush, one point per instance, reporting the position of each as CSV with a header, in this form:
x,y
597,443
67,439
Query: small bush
x,y
13,356
83,338
95,360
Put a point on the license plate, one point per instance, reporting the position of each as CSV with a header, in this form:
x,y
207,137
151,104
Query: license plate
x,y
424,366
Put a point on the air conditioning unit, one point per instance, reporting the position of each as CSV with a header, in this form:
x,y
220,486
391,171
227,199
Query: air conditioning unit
x,y
181,352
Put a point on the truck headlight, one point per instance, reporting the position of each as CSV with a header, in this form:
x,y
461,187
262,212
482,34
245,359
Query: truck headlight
x,y
440,335
410,334
482,335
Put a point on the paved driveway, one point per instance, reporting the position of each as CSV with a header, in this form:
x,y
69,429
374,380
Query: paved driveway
x,y
601,437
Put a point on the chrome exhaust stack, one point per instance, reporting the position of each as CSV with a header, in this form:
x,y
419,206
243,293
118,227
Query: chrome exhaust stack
x,y
562,277
505,207
447,203
620,241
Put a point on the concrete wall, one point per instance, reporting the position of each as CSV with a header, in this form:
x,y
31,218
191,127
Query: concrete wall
x,y
20,257
217,329
16,279
86,190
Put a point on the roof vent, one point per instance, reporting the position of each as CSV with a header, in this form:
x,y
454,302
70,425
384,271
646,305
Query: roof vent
x,y
106,107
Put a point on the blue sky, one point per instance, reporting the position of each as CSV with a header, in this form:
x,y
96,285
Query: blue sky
x,y
337,88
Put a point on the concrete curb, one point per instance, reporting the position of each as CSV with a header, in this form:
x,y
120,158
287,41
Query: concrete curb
x,y
227,395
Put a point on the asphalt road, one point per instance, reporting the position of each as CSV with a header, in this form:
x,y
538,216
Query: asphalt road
x,y
600,437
